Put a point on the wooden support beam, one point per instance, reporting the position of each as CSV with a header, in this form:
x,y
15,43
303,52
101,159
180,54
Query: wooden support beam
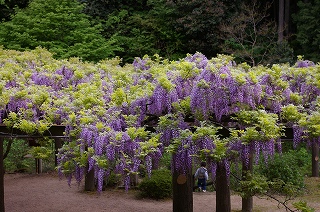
x,y
182,191
247,170
55,131
38,165
89,181
223,200
315,159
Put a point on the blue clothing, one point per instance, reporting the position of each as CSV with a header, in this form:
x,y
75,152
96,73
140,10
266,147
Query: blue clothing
x,y
202,176
202,184
201,173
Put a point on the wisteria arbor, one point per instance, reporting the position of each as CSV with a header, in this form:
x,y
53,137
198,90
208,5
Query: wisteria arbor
x,y
118,118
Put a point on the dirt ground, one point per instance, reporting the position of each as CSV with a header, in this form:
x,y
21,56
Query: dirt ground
x,y
47,193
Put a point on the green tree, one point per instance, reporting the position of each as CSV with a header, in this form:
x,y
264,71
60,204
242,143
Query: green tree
x,y
103,8
168,28
308,35
61,27
135,33
249,35
140,32
7,8
198,21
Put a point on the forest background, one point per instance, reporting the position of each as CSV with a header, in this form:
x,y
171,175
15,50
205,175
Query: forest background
x,y
257,32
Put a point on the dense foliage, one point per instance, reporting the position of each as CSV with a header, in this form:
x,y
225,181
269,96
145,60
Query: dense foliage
x,y
59,26
247,29
118,118
290,167
307,23
158,186
16,160
7,7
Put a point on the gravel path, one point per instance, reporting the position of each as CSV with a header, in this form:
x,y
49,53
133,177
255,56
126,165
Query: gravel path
x,y
47,193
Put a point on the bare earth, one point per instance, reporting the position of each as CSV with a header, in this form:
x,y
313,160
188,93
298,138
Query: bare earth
x,y
47,193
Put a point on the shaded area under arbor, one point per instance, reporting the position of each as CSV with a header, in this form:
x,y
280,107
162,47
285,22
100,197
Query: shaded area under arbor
x,y
54,132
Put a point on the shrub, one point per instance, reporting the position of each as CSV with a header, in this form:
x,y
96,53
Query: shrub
x,y
113,180
165,161
158,186
253,184
302,206
290,167
15,161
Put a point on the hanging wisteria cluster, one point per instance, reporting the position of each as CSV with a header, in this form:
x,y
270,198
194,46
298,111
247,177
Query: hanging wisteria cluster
x,y
118,118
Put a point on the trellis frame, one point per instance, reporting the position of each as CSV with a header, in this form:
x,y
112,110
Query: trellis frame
x,y
55,132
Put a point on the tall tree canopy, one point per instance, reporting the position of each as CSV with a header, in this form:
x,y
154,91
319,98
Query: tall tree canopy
x,y
199,22
7,8
168,28
308,35
60,26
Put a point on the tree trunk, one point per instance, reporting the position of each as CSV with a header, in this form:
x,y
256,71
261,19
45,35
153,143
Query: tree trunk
x,y
1,176
287,17
182,192
89,181
223,202
315,159
281,21
10,141
247,203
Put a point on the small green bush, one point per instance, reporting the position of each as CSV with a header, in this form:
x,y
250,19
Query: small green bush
x,y
253,184
158,186
165,161
113,180
15,161
302,206
290,167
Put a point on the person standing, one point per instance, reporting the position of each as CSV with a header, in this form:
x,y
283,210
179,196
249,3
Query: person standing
x,y
202,176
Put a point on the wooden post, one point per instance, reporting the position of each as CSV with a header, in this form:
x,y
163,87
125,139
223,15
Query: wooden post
x,y
223,200
182,192
315,159
89,181
133,180
57,146
247,203
1,176
38,166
